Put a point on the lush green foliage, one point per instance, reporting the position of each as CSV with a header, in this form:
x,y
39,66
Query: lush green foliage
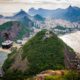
x,y
5,26
53,78
70,75
41,53
21,33
24,29
44,54
10,59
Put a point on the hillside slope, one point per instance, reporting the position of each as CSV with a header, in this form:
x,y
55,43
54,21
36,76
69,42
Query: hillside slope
x,y
44,51
15,30
39,18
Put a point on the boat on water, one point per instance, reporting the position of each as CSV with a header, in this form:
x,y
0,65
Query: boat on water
x,y
7,44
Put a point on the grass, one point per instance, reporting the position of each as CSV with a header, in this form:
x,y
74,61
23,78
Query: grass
x,y
70,75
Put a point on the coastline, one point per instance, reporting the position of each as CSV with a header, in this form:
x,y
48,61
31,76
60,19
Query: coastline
x,y
3,56
5,50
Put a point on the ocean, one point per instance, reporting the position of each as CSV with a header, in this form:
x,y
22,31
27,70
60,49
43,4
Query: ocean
x,y
3,57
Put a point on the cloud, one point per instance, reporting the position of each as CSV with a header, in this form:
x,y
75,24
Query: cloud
x,y
4,0
15,5
32,1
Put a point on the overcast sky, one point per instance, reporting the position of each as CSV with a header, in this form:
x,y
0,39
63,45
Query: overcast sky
x,y
12,6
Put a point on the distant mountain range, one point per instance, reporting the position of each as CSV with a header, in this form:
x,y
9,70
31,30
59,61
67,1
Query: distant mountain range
x,y
21,13
58,18
38,17
24,18
19,16
70,13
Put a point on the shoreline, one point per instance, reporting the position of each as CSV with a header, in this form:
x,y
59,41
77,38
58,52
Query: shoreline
x,y
5,50
3,56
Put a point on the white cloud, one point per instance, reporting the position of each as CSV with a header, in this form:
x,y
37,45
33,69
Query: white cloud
x,y
15,5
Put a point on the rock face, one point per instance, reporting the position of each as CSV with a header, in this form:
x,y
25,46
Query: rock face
x,y
19,63
14,29
37,55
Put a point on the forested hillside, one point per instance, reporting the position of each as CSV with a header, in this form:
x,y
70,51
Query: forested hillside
x,y
42,52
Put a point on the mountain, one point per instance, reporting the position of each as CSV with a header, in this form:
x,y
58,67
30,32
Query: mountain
x,y
18,15
15,29
40,11
18,26
44,51
38,17
71,13
1,16
21,13
26,21
24,18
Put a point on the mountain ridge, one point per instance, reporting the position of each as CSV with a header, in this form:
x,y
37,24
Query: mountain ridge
x,y
71,13
38,17
43,51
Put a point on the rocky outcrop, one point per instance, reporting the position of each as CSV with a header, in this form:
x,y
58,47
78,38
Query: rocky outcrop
x,y
19,63
12,31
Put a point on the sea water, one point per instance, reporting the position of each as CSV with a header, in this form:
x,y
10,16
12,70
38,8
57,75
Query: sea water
x,y
3,57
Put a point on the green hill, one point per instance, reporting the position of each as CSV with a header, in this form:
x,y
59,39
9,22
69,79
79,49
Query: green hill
x,y
15,29
4,27
44,51
39,18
